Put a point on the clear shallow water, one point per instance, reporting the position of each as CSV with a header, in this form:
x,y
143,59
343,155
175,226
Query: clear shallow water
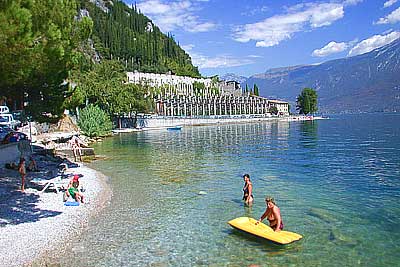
x,y
336,181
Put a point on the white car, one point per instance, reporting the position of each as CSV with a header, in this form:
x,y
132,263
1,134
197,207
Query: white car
x,y
8,120
4,109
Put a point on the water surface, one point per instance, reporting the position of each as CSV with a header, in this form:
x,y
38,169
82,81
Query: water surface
x,y
336,181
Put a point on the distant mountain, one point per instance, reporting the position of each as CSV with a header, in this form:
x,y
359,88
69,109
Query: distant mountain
x,y
365,83
233,77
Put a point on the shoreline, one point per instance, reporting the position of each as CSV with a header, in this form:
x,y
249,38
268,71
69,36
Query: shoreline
x,y
37,228
158,123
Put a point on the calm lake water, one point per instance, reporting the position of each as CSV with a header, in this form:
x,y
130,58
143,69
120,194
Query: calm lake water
x,y
336,181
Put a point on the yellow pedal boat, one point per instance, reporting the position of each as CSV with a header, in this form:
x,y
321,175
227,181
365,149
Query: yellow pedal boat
x,y
248,225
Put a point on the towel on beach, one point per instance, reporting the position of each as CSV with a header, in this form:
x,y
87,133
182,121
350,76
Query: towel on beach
x,y
71,203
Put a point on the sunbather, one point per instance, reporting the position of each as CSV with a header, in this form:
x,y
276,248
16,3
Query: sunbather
x,y
73,190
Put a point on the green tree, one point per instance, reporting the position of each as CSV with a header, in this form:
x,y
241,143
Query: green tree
x,y
38,44
93,121
198,88
307,101
16,43
255,90
105,85
273,110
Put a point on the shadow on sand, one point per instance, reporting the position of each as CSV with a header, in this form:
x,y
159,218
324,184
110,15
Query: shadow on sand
x,y
17,207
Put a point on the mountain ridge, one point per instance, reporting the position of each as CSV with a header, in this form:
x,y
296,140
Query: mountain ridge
x,y
364,83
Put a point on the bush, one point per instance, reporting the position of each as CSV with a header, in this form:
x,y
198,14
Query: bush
x,y
93,121
273,110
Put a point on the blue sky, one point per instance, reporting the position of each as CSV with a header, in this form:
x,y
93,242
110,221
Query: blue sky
x,y
246,37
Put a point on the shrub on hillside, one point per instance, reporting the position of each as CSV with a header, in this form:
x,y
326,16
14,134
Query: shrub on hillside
x,y
93,121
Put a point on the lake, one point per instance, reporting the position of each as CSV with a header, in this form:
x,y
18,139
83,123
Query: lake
x,y
336,181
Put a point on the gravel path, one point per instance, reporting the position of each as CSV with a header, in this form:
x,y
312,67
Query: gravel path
x,y
34,226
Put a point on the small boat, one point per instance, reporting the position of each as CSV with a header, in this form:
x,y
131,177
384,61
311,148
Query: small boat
x,y
249,225
174,128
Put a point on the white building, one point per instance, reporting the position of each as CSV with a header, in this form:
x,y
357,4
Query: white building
x,y
178,96
171,84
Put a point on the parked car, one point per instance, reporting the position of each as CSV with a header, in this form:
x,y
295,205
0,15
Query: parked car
x,y
4,109
8,120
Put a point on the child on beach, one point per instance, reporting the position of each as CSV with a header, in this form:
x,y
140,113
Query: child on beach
x,y
73,190
22,171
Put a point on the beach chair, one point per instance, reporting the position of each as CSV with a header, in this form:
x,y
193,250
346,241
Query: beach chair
x,y
57,183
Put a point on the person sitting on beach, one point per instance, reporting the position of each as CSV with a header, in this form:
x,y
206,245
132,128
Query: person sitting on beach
x,y
32,166
22,171
73,190
247,190
273,214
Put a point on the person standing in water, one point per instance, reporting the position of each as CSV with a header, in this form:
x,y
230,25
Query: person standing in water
x,y
247,190
273,214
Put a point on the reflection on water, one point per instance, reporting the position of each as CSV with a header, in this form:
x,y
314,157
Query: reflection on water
x,y
309,133
336,182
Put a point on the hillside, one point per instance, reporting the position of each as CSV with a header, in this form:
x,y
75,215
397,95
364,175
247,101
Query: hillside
x,y
123,33
365,83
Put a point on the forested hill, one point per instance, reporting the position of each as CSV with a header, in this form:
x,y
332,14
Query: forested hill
x,y
123,33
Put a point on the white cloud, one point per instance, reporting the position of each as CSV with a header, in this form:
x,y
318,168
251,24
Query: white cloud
x,y
219,61
393,17
172,15
187,47
352,2
373,42
273,30
389,3
331,48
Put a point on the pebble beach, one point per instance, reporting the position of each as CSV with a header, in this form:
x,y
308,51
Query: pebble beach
x,y
36,227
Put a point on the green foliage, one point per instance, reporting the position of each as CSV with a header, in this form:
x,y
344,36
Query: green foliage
x,y
247,89
255,90
273,110
307,101
93,121
39,45
198,88
105,86
130,37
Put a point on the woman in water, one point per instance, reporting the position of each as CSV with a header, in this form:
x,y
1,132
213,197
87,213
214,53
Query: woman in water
x,y
273,214
247,190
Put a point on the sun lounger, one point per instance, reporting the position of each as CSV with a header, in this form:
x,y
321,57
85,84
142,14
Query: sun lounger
x,y
56,183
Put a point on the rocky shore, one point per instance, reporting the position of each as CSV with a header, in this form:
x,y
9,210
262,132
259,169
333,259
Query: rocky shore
x,y
35,226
